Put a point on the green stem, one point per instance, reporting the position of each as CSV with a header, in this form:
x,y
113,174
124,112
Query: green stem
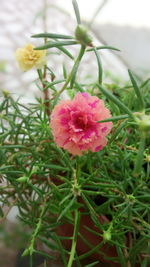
x,y
30,249
45,90
74,239
140,155
42,77
100,69
137,91
115,118
78,169
116,100
76,10
73,71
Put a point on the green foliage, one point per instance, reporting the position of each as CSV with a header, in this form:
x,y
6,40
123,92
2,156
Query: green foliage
x,y
49,196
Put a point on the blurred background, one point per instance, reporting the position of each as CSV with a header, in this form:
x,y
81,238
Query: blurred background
x,y
123,24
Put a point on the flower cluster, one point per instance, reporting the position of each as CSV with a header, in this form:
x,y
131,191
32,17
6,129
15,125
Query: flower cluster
x,y
74,124
28,58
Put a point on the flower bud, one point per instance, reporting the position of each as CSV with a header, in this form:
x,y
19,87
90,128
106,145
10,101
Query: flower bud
x,y
130,198
22,179
144,123
147,158
81,34
107,235
6,93
76,189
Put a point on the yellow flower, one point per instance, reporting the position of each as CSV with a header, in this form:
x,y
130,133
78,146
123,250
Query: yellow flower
x,y
28,58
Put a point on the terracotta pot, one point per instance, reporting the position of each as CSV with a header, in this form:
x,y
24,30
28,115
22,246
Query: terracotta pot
x,y
66,230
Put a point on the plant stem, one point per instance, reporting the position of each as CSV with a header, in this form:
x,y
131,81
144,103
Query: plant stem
x,y
138,92
140,155
45,90
46,95
76,10
30,249
74,70
100,69
74,239
116,100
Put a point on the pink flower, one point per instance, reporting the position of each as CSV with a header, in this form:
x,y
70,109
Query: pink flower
x,y
74,124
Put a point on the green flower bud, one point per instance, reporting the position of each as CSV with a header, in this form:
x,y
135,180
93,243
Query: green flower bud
x,y
107,235
130,198
22,179
81,34
76,189
6,93
144,123
147,158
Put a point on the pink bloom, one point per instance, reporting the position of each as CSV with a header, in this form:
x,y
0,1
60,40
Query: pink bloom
x,y
74,124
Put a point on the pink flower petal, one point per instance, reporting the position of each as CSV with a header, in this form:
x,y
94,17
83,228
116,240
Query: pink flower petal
x,y
74,124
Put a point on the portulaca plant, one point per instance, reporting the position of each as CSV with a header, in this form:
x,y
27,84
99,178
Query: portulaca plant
x,y
78,169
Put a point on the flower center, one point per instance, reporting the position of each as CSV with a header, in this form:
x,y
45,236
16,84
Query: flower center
x,y
80,122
